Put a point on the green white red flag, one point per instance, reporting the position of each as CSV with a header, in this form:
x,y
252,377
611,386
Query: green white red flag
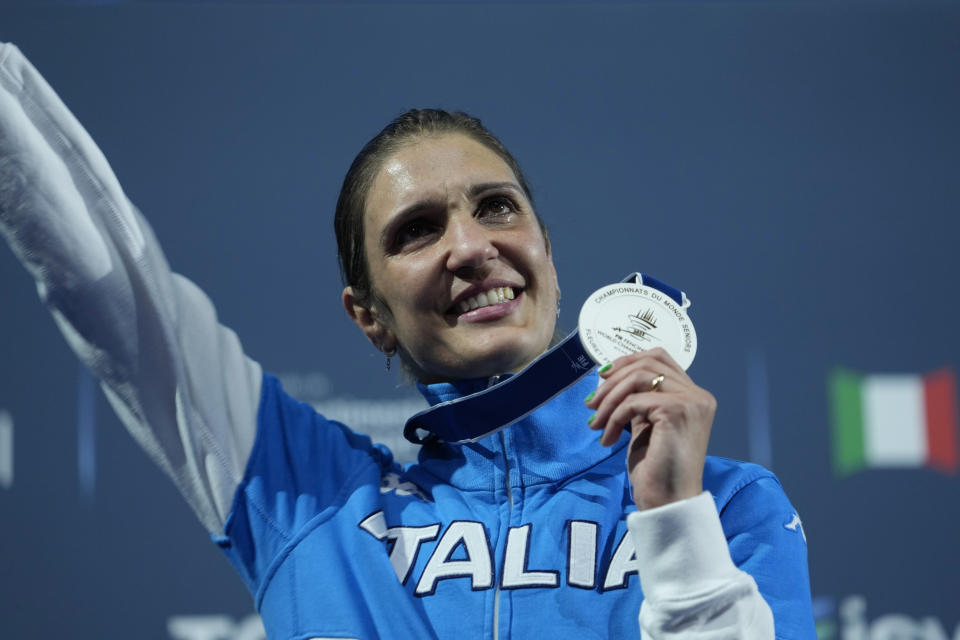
x,y
894,420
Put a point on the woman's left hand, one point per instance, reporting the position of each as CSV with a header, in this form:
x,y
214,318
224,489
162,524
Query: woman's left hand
x,y
670,425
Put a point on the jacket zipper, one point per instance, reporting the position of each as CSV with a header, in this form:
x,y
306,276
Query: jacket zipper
x,y
506,467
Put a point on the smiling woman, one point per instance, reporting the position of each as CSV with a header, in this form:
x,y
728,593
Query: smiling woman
x,y
462,281
541,529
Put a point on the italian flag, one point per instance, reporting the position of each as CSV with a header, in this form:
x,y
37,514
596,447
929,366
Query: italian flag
x,y
893,420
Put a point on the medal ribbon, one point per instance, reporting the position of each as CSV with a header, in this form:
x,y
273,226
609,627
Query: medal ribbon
x,y
477,415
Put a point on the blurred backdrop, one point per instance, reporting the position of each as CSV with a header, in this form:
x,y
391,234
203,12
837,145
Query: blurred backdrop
x,y
793,166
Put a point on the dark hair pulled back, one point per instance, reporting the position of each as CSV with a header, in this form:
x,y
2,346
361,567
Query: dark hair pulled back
x,y
405,129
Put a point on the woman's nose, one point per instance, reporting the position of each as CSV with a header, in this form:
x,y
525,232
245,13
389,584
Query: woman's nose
x,y
470,245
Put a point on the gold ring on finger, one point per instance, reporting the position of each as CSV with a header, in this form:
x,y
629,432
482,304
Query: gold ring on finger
x,y
656,382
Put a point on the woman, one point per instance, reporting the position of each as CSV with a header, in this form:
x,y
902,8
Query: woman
x,y
540,529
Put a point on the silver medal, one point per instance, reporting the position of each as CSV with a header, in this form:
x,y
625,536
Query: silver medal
x,y
620,319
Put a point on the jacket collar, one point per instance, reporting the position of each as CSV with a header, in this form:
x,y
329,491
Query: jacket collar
x,y
551,444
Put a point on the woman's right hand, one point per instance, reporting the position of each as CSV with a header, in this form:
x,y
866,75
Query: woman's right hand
x,y
670,419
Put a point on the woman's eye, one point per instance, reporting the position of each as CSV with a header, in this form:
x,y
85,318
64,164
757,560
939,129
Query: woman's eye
x,y
497,207
413,232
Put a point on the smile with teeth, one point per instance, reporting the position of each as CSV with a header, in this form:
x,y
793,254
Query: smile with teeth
x,y
497,295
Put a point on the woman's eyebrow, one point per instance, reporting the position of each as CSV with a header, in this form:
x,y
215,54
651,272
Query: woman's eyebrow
x,y
477,189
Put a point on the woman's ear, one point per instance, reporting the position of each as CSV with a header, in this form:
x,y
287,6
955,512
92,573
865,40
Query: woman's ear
x,y
369,321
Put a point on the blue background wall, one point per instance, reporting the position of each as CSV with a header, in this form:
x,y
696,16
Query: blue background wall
x,y
795,167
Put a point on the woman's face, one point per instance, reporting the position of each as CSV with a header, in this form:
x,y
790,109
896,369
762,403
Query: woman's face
x,y
458,258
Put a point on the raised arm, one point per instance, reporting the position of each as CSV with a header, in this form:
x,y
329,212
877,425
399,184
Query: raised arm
x,y
179,381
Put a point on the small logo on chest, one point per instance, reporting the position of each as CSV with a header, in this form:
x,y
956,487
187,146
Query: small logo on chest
x,y
391,482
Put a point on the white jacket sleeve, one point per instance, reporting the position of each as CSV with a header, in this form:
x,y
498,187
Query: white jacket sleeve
x,y
179,381
692,589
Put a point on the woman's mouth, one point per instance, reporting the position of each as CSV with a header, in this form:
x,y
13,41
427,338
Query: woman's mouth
x,y
496,295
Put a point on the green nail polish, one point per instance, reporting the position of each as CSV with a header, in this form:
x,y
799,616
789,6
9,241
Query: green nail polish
x,y
605,367
590,419
590,397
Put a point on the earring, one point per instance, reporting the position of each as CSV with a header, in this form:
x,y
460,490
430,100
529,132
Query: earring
x,y
389,355
559,294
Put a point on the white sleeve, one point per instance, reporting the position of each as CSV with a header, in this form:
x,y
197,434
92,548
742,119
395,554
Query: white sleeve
x,y
692,589
179,381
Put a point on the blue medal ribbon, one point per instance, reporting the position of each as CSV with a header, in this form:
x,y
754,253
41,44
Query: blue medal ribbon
x,y
475,416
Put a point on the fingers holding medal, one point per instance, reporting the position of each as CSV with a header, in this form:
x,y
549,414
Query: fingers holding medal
x,y
631,387
670,419
644,332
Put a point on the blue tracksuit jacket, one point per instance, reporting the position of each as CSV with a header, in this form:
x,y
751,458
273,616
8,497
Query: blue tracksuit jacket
x,y
523,531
